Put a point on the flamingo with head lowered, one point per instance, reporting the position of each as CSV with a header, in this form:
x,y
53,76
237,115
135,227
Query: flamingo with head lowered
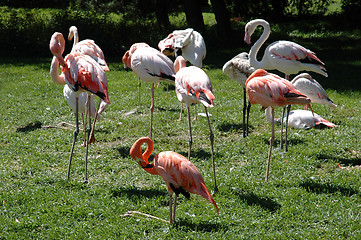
x,y
180,175
82,74
284,56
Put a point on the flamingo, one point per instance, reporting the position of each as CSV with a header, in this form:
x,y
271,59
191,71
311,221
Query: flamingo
x,y
194,86
70,97
239,69
312,89
149,65
302,119
81,73
179,174
87,47
188,43
270,90
284,56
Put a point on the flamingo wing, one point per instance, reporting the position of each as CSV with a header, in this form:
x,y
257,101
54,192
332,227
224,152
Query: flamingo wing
x,y
181,175
269,89
195,86
312,89
88,47
83,73
152,66
238,68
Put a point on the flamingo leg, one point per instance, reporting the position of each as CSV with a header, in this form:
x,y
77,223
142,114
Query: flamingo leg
x,y
211,137
151,111
175,206
139,83
180,114
244,112
248,109
76,132
92,138
283,116
190,133
84,127
286,126
270,146
170,208
87,142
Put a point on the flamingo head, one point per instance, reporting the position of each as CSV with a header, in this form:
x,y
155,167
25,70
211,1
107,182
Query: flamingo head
x,y
72,31
166,46
127,59
136,151
57,46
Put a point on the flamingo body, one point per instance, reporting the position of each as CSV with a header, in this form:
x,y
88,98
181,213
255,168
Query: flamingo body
x,y
190,42
179,174
87,47
312,89
269,89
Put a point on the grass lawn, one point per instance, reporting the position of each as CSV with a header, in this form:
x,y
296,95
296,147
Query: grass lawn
x,y
308,194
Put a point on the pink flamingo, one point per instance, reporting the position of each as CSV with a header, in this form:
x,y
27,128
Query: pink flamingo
x,y
87,47
81,73
270,90
239,69
284,56
188,43
150,65
194,86
179,174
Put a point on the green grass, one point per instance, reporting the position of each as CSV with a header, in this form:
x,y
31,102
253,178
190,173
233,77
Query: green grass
x,y
308,195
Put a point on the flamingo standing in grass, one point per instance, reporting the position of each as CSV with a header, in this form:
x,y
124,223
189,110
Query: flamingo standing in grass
x,y
179,174
194,86
149,65
270,90
81,73
239,69
284,56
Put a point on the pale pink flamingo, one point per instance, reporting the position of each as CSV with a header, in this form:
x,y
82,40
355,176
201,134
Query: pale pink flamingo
x,y
81,73
312,89
284,56
270,90
179,174
188,43
87,47
150,65
239,69
302,119
194,86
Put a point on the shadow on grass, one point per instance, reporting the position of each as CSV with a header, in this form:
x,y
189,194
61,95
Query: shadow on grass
x,y
136,193
352,161
252,199
30,127
187,224
229,127
327,188
202,154
123,151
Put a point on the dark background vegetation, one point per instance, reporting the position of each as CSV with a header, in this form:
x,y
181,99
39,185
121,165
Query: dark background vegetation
x,y
26,26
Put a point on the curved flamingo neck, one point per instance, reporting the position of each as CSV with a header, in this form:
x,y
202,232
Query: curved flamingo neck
x,y
54,72
143,158
255,48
